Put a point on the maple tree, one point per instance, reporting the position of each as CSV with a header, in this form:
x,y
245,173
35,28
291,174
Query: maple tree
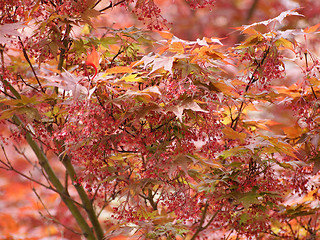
x,y
124,132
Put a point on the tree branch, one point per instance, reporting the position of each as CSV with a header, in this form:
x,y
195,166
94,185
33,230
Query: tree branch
x,y
42,158
251,10
86,202
65,42
201,227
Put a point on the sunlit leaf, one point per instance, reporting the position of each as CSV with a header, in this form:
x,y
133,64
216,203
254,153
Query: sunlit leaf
x,y
285,43
132,78
250,41
116,70
165,34
312,28
231,134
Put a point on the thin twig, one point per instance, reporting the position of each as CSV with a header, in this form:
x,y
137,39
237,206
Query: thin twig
x,y
251,81
96,193
291,229
27,84
30,64
5,92
102,208
8,95
52,3
96,4
21,152
229,235
9,167
52,218
112,5
115,56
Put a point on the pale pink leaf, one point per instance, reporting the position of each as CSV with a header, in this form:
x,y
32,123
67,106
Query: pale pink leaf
x,y
202,42
163,62
277,19
68,82
184,105
8,30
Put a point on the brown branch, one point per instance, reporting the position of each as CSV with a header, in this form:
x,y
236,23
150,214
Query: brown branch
x,y
66,178
8,95
97,2
201,227
115,56
96,193
44,162
52,3
272,233
151,200
86,202
313,92
2,46
251,10
291,229
63,50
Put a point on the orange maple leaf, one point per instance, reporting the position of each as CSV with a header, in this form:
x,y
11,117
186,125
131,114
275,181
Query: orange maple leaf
x,y
93,60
